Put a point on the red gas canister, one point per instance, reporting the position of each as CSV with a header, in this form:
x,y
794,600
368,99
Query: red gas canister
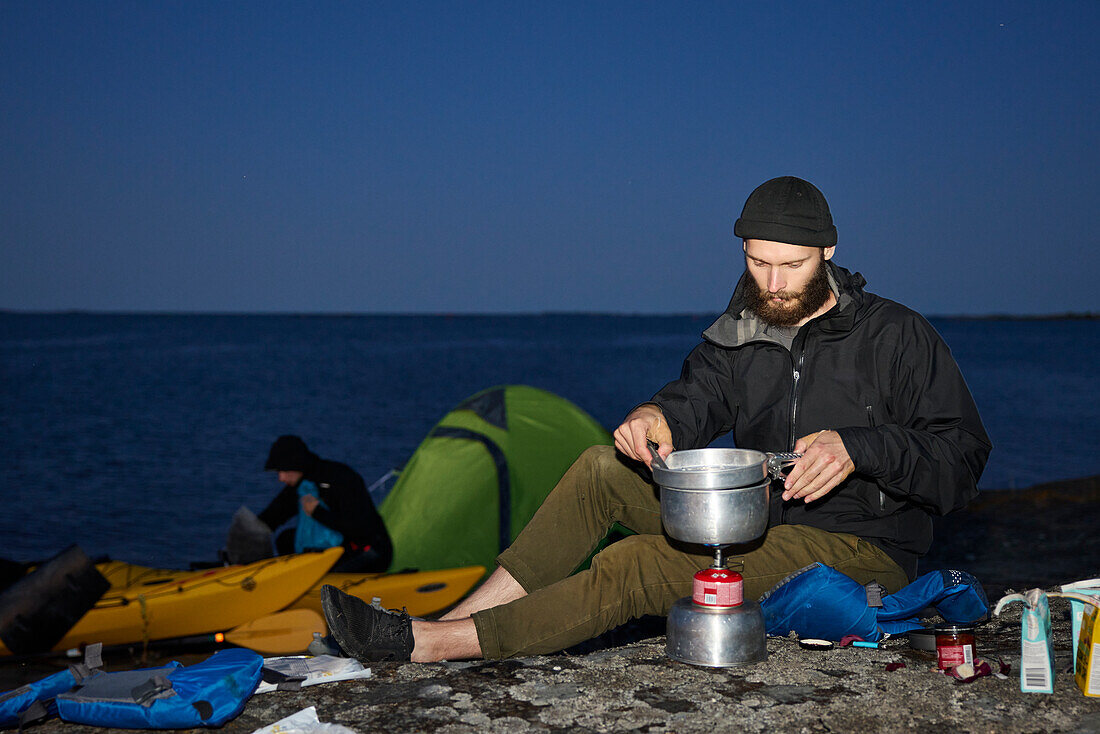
x,y
717,587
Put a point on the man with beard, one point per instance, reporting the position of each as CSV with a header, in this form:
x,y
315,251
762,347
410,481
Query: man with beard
x,y
803,359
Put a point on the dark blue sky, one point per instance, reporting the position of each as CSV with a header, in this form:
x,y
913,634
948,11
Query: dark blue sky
x,y
489,157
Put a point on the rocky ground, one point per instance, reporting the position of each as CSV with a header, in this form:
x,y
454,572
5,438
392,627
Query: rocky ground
x,y
1014,540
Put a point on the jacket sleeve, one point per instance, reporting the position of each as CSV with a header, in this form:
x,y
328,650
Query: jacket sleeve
x,y
281,509
697,405
933,449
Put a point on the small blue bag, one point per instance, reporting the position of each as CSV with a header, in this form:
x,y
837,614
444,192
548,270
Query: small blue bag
x,y
209,693
819,601
312,534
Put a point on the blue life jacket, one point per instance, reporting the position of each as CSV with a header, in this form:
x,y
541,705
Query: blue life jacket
x,y
312,535
209,693
35,700
819,601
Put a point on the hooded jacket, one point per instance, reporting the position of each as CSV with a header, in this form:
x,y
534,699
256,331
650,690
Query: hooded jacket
x,y
872,370
349,510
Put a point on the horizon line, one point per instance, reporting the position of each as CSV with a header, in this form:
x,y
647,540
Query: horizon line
x,y
1053,316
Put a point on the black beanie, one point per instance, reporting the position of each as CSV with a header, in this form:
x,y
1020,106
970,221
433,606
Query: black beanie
x,y
787,209
289,453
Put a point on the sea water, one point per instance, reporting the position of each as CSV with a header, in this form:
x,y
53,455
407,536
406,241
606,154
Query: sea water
x,y
138,436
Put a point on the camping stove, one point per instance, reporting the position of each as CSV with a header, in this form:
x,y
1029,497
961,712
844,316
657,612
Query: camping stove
x,y
717,498
716,626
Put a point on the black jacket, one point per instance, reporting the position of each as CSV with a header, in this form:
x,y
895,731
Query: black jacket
x,y
349,510
871,369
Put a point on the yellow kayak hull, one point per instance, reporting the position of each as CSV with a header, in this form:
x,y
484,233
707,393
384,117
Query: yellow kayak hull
x,y
154,604
419,592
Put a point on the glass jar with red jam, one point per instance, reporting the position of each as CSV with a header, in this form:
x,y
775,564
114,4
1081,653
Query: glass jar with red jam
x,y
954,645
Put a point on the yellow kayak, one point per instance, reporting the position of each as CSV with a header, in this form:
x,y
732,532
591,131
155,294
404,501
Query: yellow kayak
x,y
154,604
420,592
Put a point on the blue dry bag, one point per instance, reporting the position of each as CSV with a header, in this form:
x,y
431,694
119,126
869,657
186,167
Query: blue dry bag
x,y
209,693
819,601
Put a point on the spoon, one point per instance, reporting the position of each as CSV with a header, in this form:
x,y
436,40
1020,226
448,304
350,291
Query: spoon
x,y
657,460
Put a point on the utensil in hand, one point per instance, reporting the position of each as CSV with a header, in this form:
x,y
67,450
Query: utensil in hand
x,y
657,460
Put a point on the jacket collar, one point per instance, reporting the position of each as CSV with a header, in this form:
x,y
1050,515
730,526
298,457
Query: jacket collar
x,y
739,326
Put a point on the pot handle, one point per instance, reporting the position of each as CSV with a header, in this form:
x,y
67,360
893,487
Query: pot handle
x,y
777,462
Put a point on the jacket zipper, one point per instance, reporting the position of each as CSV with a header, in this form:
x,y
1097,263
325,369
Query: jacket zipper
x,y
798,363
796,375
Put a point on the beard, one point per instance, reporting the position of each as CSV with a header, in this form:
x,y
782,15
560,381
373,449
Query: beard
x,y
792,307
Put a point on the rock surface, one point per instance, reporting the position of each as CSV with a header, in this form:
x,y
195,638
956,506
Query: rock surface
x,y
1010,540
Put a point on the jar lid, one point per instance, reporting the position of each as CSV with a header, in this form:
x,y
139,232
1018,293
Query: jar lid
x,y
953,628
810,643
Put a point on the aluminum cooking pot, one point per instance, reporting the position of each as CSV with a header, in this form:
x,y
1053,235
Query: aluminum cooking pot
x,y
717,496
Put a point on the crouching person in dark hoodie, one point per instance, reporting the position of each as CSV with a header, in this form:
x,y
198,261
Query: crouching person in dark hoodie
x,y
332,505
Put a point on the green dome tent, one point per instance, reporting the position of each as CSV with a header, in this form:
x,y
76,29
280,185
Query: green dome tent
x,y
481,473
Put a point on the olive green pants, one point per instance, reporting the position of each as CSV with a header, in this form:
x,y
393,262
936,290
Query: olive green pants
x,y
641,574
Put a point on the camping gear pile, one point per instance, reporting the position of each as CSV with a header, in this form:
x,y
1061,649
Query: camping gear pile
x,y
466,492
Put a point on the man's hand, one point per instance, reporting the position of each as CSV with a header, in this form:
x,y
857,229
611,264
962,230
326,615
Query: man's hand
x,y
309,503
824,464
646,422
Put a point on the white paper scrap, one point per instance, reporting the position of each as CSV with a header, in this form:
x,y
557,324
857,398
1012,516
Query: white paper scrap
x,y
304,722
312,671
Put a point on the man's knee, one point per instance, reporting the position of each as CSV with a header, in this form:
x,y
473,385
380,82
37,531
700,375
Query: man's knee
x,y
586,472
606,464
595,457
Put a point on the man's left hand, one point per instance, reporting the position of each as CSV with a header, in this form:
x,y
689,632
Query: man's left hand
x,y
824,464
309,503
